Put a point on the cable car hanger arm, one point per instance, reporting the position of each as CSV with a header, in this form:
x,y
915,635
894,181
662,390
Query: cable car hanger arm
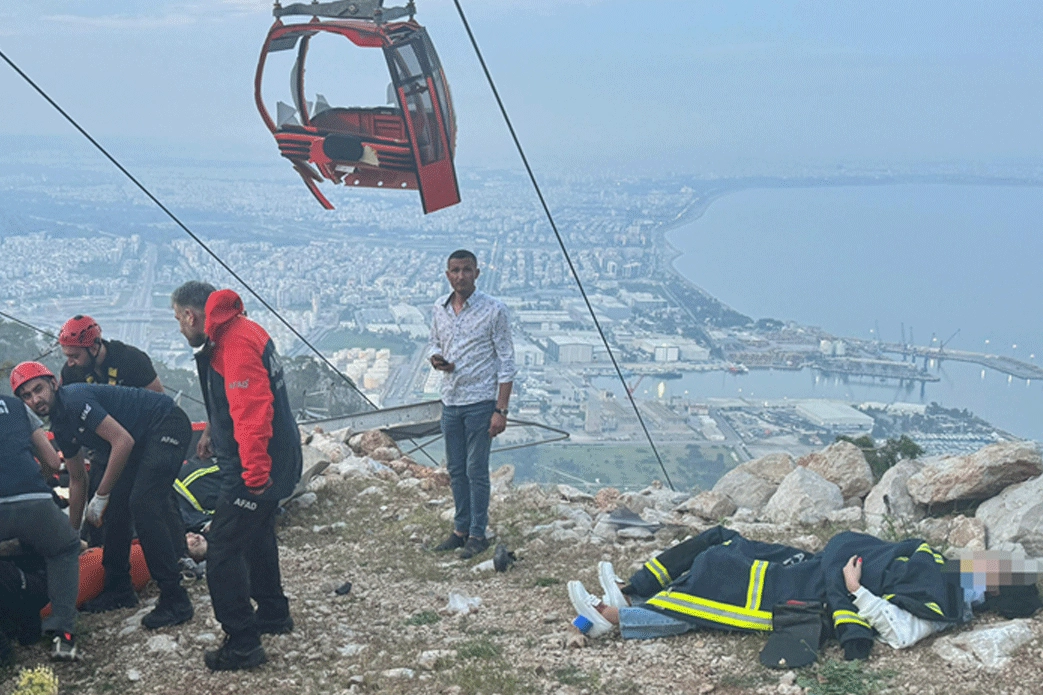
x,y
347,9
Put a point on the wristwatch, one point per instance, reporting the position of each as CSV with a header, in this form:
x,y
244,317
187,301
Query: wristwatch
x,y
501,411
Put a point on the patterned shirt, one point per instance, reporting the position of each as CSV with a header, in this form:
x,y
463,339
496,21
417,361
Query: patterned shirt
x,y
478,341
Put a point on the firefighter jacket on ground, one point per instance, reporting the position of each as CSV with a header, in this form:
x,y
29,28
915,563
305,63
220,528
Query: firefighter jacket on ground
x,y
198,486
721,580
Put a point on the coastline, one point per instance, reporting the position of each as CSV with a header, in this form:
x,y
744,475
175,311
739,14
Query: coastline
x,y
698,207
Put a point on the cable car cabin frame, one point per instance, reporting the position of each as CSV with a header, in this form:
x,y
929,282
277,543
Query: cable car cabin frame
x,y
409,147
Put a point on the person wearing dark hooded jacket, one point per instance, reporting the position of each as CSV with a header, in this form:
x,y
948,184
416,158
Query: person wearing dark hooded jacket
x,y
255,440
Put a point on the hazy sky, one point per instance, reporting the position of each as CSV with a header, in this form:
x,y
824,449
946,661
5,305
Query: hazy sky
x,y
672,85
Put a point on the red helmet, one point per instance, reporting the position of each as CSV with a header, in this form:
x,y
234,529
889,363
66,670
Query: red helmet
x,y
79,331
27,371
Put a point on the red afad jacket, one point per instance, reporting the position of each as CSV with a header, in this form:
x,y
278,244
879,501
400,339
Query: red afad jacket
x,y
242,354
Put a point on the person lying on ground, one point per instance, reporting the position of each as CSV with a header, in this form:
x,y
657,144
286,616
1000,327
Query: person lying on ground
x,y
901,592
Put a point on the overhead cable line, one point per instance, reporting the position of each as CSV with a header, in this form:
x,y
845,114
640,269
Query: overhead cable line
x,y
193,235
30,326
561,242
183,227
179,394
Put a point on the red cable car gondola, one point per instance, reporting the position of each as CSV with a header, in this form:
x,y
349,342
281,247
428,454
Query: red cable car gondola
x,y
410,146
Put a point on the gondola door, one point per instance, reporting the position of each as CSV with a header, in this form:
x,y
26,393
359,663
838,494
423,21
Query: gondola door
x,y
427,113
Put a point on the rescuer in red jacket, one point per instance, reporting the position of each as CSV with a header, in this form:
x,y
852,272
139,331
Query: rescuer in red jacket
x,y
255,439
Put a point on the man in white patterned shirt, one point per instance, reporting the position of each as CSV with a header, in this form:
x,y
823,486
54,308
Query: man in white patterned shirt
x,y
471,345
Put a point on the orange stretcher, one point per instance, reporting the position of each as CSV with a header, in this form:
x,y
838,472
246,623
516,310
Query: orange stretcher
x,y
92,574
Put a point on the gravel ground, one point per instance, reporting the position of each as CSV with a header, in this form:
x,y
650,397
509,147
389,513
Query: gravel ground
x,y
393,634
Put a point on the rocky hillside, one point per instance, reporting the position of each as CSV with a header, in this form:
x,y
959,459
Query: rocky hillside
x,y
419,622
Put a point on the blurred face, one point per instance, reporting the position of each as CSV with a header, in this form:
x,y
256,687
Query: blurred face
x,y
39,394
461,273
196,546
191,322
79,357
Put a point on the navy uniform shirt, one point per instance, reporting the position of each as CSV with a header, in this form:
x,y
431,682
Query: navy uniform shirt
x,y
124,365
80,408
20,476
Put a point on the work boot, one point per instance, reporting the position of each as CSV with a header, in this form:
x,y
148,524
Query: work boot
x,y
281,626
474,546
174,608
452,543
228,659
110,600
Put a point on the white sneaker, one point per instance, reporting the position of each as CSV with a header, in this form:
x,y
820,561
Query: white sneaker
x,y
610,583
585,603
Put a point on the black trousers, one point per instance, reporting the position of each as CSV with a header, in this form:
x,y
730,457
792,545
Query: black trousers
x,y
242,563
141,499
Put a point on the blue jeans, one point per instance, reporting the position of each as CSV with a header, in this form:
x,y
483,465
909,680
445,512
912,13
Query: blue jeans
x,y
467,442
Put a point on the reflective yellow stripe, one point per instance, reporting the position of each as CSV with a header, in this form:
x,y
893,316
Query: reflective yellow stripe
x,y
713,611
658,571
183,491
199,473
842,617
902,559
924,548
888,597
755,590
182,486
113,375
935,607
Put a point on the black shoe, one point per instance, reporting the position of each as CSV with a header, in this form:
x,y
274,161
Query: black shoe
x,y
228,659
110,601
452,543
63,647
173,612
276,627
474,546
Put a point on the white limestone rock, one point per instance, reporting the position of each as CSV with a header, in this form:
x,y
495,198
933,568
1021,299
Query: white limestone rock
x,y
501,479
774,467
934,531
385,454
635,532
803,497
161,644
708,505
365,443
1015,516
745,489
847,516
430,658
989,648
571,494
976,476
889,499
967,532
843,464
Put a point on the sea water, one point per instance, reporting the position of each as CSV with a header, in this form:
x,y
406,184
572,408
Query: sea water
x,y
935,258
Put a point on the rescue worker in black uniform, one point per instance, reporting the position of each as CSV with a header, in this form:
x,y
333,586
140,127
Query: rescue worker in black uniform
x,y
258,449
28,513
145,437
89,359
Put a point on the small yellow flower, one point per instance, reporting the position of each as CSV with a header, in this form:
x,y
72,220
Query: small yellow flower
x,y
37,681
